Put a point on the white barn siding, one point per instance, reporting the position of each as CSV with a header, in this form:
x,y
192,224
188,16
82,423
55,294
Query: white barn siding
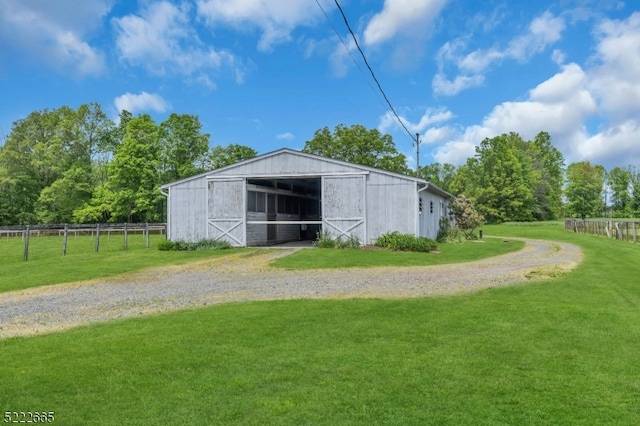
x,y
226,210
391,205
433,208
187,211
286,164
355,200
344,206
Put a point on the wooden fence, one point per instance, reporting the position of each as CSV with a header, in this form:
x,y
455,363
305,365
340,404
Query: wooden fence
x,y
96,231
625,230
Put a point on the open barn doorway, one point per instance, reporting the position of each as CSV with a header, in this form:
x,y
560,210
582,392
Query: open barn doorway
x,y
283,210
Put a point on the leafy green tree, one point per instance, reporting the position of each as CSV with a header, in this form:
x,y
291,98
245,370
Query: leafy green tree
x,y
131,192
585,184
358,145
134,173
58,201
503,174
184,148
33,158
547,177
619,181
221,156
441,175
635,194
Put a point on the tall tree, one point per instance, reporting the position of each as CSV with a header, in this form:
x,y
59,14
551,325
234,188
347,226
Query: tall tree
x,y
547,177
134,173
619,181
358,145
503,190
585,184
441,175
184,148
222,156
635,193
33,158
131,192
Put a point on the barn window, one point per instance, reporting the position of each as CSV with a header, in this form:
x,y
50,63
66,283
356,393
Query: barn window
x,y
256,202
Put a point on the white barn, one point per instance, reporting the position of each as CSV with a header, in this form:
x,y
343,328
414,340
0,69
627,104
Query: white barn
x,y
288,195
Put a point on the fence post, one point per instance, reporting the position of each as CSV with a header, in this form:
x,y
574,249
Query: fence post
x,y
126,237
25,257
64,239
146,231
97,237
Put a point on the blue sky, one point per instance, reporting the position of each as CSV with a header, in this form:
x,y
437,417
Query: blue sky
x,y
268,74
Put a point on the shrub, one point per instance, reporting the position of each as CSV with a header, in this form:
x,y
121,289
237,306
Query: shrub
x,y
447,233
467,218
324,240
406,242
201,245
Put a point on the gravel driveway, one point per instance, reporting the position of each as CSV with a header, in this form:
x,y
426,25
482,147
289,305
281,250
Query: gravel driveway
x,y
242,277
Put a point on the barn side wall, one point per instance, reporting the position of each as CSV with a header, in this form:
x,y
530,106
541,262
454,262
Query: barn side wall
x,y
391,206
433,208
187,211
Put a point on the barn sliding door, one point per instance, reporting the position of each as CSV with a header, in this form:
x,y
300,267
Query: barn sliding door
x,y
226,211
344,206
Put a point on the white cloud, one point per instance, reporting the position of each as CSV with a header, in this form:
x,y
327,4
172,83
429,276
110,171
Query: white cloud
x,y
437,134
559,106
162,40
285,136
442,86
407,17
617,145
141,102
616,78
48,32
431,116
340,57
542,32
275,19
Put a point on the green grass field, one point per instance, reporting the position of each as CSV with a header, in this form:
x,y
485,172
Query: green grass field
x,y
447,253
47,265
562,351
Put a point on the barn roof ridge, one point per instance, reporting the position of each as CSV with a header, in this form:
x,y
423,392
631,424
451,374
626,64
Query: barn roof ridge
x,y
319,157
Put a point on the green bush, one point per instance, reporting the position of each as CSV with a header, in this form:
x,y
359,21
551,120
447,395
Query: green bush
x,y
406,242
324,240
201,245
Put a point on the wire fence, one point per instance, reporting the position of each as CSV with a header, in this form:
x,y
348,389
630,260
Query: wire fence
x,y
619,230
96,231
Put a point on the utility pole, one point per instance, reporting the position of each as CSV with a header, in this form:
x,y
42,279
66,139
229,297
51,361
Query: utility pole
x,y
417,153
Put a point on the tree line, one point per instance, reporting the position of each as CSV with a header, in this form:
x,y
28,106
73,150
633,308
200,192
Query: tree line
x,y
79,166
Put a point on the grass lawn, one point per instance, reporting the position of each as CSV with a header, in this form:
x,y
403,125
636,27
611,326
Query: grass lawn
x,y
447,253
46,265
562,351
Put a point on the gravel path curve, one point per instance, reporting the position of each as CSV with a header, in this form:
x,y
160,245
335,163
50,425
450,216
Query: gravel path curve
x,y
242,277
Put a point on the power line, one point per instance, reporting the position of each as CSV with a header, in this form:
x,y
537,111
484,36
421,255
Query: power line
x,y
346,21
348,50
